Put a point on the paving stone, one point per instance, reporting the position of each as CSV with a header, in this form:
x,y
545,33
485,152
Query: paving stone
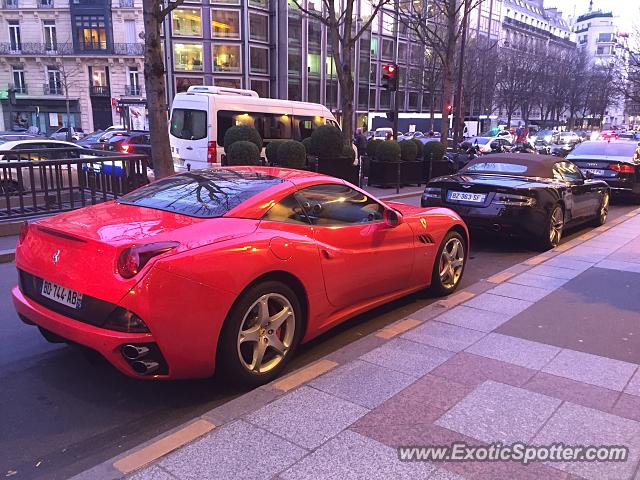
x,y
554,272
498,412
573,391
473,370
530,294
428,312
627,406
592,369
354,349
514,350
540,281
407,357
473,318
618,265
237,407
152,473
561,262
420,403
443,335
363,383
577,425
416,434
351,456
307,417
498,304
238,450
633,388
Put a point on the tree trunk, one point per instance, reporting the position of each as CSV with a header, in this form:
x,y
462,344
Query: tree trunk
x,y
154,82
346,100
448,68
66,94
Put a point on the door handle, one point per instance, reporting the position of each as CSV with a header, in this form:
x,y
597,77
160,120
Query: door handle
x,y
327,254
189,148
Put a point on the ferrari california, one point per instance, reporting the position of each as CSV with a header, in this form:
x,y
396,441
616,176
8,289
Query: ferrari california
x,y
536,196
227,270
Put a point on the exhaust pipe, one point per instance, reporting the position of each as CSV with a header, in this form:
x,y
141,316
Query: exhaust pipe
x,y
133,352
496,227
145,368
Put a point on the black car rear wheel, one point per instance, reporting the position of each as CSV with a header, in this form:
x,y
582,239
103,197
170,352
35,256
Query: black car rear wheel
x,y
603,211
553,231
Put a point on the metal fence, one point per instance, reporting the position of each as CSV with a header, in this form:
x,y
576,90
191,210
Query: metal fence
x,y
45,181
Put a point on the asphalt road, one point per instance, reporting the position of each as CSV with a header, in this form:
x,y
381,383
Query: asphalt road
x,y
61,414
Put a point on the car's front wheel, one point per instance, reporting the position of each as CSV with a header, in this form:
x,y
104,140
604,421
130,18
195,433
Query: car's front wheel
x,y
449,265
260,334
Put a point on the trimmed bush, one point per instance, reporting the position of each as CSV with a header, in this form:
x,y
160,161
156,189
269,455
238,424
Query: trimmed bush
x,y
243,152
348,153
388,151
327,141
309,146
408,151
372,147
271,151
291,154
435,148
239,133
419,146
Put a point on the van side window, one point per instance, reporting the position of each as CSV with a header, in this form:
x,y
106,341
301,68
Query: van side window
x,y
270,126
306,126
189,124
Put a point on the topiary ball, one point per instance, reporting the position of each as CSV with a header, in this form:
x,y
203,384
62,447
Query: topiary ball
x,y
408,151
419,146
372,147
292,154
327,141
271,151
309,146
243,152
388,151
239,133
434,149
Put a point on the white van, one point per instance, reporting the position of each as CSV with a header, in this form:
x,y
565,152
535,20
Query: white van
x,y
201,116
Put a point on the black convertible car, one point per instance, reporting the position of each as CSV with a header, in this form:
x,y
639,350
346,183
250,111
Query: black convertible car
x,y
519,193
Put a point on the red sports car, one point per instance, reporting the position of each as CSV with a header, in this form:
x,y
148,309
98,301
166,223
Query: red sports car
x,y
227,269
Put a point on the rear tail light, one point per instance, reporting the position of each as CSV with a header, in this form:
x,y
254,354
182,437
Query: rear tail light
x,y
125,321
133,259
125,148
24,231
517,200
212,152
622,168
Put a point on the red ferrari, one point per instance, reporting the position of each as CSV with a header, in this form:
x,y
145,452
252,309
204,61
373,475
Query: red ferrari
x,y
227,269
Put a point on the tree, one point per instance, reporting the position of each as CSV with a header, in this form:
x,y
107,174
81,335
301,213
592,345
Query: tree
x,y
67,77
512,80
153,13
343,32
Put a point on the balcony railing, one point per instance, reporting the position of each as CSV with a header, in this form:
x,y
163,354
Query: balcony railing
x,y
53,89
126,3
20,89
133,90
130,49
10,4
99,91
119,49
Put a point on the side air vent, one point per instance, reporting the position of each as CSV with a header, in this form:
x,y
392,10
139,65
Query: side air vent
x,y
426,239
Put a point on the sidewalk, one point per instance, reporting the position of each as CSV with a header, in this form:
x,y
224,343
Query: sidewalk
x,y
547,351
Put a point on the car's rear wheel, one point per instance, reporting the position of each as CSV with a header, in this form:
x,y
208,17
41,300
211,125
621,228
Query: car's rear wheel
x,y
260,334
553,230
603,211
449,265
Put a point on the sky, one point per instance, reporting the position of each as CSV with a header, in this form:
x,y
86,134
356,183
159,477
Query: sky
x,y
627,12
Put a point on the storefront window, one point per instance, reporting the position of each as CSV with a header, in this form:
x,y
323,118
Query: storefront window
x,y
187,56
261,87
225,23
258,60
183,83
258,27
187,22
226,58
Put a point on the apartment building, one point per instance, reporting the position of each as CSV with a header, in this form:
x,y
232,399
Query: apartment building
x,y
87,53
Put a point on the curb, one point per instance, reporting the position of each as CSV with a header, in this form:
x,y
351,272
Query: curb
x,y
7,256
400,195
158,447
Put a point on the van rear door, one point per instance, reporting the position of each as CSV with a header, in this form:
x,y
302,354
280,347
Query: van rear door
x,y
188,131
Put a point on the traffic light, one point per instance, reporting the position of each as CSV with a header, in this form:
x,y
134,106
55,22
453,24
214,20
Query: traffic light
x,y
449,108
390,76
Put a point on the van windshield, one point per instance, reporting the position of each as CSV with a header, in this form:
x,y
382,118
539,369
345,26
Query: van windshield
x,y
188,124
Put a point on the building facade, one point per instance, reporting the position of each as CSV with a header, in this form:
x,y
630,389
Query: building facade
x,y
84,53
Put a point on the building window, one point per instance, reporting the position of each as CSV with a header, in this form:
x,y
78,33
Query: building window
x,y
50,37
384,99
187,22
226,2
313,90
388,23
402,52
373,76
294,64
417,54
54,82
294,90
183,83
225,23
314,64
133,81
261,87
295,30
314,35
413,100
363,97
18,80
605,37
259,3
374,48
258,60
14,36
387,49
226,58
187,56
99,77
258,27
372,98
92,33
227,82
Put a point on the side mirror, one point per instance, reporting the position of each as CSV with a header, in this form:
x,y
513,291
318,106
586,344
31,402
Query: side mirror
x,y
392,218
589,175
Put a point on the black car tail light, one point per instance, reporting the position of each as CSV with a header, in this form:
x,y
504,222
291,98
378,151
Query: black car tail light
x,y
432,192
125,321
622,168
517,200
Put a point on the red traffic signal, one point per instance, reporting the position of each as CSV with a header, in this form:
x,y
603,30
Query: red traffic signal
x,y
390,76
449,108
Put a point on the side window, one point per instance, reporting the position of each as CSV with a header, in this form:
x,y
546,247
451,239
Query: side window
x,y
306,126
276,127
334,205
228,119
287,210
568,171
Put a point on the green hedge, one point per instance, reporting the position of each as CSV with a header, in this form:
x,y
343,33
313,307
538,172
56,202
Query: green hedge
x,y
372,147
388,151
435,148
239,133
291,154
408,151
419,146
309,146
271,151
243,152
327,141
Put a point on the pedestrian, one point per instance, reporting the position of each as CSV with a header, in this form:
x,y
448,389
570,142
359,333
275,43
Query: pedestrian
x,y
360,141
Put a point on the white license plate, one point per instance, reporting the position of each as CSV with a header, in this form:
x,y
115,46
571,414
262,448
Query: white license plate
x,y
467,197
596,172
62,295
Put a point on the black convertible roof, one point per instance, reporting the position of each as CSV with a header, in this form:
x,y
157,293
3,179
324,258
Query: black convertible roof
x,y
537,165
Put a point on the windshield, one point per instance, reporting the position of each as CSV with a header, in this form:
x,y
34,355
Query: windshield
x,y
495,167
201,193
94,137
188,124
606,149
382,133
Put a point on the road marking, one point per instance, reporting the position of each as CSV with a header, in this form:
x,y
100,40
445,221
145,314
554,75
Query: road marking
x,y
397,328
165,445
456,299
536,260
304,375
501,277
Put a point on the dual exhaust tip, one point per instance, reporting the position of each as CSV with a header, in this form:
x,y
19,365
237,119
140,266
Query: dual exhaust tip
x,y
135,354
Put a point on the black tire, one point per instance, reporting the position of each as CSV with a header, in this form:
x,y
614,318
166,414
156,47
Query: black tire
x,y
229,362
603,211
438,285
546,241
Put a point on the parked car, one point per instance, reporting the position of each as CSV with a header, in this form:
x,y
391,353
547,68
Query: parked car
x,y
133,142
608,135
383,133
264,258
536,196
615,162
61,133
99,140
630,135
487,144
